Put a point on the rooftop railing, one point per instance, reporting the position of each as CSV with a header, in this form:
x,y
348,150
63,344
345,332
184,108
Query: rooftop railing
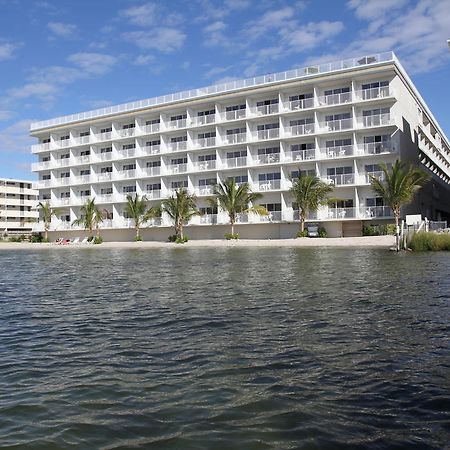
x,y
304,72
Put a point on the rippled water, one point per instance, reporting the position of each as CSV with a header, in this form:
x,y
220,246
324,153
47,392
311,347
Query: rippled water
x,y
224,349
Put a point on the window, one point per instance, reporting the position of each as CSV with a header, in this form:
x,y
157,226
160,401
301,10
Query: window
x,y
107,169
375,85
64,195
152,121
236,131
235,107
65,174
376,112
207,158
239,179
85,153
64,138
207,210
106,150
178,117
85,172
295,173
179,184
127,189
106,130
294,123
347,203
273,101
342,90
339,170
152,143
179,160
372,168
268,126
45,159
293,98
272,207
268,150
337,117
269,176
338,143
154,164
85,133
128,126
207,182
128,146
154,187
209,134
106,191
129,166
65,156
206,113
46,141
178,139
374,201
85,193
384,138
305,146
237,154
46,177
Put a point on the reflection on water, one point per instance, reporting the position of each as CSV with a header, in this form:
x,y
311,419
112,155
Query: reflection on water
x,y
224,348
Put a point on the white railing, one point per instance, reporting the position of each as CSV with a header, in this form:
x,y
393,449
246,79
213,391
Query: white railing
x,y
273,216
180,123
107,156
152,171
153,194
376,148
336,152
208,219
127,153
40,147
373,93
62,201
106,223
105,198
298,130
80,140
310,216
155,222
175,146
235,162
85,159
104,176
336,125
295,105
63,181
268,185
242,218
335,99
203,120
122,197
205,142
266,109
81,179
204,190
345,178
126,132
271,133
378,174
377,120
235,138
42,184
63,162
205,165
151,149
268,159
152,128
40,165
177,168
104,136
130,173
63,143
341,213
368,212
230,86
301,155
236,114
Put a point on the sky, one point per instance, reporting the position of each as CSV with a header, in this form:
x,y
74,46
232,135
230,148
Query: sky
x,y
60,57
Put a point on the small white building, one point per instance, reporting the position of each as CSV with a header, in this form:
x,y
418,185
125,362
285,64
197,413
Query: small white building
x,y
338,121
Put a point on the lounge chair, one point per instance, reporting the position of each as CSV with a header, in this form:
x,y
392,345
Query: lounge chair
x,y
76,241
85,240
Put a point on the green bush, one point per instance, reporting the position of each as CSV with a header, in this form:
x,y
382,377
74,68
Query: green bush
x,y
138,238
98,240
378,230
322,232
426,242
37,238
390,228
172,238
178,239
302,234
230,236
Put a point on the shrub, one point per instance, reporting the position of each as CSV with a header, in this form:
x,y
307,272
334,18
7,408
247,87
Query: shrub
x,y
378,229
98,240
423,242
172,238
138,238
230,236
177,239
37,238
322,232
390,228
302,234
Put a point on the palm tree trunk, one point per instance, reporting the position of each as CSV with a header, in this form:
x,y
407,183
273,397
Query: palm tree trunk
x,y
181,231
46,233
397,236
137,232
232,227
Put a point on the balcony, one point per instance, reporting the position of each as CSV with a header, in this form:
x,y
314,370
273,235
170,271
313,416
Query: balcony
x,y
341,179
81,179
235,138
63,143
299,130
268,185
336,125
126,132
204,190
105,198
374,93
63,181
177,146
203,120
180,123
177,168
151,149
297,105
127,153
273,216
205,142
107,156
341,213
104,176
369,212
266,110
235,115
62,201
36,148
378,174
42,165
377,120
153,194
375,148
85,159
155,222
268,159
301,155
242,218
235,162
272,133
205,165
152,128
42,184
336,152
208,219
104,136
125,174
81,140
335,99
106,223
152,171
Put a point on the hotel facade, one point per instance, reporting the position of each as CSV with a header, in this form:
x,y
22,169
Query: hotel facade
x,y
338,121
18,203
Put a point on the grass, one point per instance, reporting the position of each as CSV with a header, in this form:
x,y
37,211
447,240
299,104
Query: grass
x,y
430,242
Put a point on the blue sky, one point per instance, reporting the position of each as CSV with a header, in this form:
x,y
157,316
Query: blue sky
x,y
62,56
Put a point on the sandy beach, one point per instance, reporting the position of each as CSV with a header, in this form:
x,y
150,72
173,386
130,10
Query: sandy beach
x,y
366,241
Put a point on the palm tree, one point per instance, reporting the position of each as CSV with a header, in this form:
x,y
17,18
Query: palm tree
x,y
309,193
136,209
180,208
398,187
47,212
91,217
236,199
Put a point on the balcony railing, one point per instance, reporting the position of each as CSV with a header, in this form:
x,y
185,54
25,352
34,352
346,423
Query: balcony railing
x,y
42,165
272,133
62,201
152,171
204,190
107,156
376,148
205,165
336,152
80,140
85,159
104,136
341,213
268,185
42,184
337,125
273,216
235,115
298,130
378,174
63,143
346,178
81,179
176,146
63,181
152,128
301,155
377,120
268,159
106,223
370,94
180,123
105,198
369,212
203,120
205,142
177,168
127,153
151,149
126,132
296,105
235,162
266,109
335,99
208,219
153,194
40,147
235,138
104,176
130,173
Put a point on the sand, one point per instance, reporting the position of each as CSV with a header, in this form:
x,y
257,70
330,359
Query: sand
x,y
362,242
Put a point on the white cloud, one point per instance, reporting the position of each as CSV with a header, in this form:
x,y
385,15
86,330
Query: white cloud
x,y
370,9
143,15
6,115
93,63
65,30
143,60
305,37
42,90
7,50
275,19
15,138
163,39
215,71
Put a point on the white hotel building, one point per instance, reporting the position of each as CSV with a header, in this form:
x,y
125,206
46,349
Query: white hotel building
x,y
337,120
18,203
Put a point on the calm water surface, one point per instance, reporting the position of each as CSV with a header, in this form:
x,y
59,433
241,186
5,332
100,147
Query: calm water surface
x,y
224,349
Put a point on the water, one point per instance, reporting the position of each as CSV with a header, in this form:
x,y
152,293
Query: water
x,y
224,349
